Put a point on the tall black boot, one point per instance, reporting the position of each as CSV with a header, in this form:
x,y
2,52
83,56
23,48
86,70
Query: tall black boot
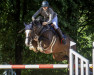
x,y
61,36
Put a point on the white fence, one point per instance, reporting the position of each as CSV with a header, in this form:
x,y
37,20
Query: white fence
x,y
84,63
78,57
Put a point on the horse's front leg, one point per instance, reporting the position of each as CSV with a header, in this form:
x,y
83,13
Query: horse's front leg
x,y
40,48
43,43
31,47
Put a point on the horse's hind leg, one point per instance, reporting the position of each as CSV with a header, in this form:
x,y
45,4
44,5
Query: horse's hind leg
x,y
59,56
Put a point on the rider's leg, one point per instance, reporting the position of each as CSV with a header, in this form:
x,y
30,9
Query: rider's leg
x,y
58,30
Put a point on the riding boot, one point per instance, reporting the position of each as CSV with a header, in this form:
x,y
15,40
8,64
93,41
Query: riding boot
x,y
61,36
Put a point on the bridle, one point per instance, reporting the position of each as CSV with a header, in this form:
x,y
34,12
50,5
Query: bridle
x,y
38,30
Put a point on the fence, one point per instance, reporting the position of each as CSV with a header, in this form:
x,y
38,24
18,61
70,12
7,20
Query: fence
x,y
83,65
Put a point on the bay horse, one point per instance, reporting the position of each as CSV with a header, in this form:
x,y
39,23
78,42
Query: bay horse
x,y
44,39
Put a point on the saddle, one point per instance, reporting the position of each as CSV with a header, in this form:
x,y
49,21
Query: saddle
x,y
46,28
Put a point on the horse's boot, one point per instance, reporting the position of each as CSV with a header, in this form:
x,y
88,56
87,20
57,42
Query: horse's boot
x,y
61,36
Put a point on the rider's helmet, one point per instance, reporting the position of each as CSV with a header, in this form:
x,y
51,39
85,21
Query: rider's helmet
x,y
45,4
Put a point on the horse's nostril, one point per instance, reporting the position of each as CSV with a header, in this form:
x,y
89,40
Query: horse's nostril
x,y
27,45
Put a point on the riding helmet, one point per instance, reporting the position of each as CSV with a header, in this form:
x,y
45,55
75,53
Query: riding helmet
x,y
45,4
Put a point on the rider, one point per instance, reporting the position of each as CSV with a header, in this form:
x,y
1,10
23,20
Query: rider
x,y
49,17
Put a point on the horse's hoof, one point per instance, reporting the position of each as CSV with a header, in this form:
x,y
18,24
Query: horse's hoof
x,y
40,49
37,48
36,51
31,47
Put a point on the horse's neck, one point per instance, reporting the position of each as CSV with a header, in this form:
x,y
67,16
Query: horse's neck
x,y
49,34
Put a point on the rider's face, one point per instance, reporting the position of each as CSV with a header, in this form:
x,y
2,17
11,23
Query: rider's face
x,y
45,8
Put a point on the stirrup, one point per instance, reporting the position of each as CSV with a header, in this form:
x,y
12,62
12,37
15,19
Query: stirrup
x,y
63,41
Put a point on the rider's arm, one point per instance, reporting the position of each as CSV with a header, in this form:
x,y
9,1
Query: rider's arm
x,y
50,16
37,13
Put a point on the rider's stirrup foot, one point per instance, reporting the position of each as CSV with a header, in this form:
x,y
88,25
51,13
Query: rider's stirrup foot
x,y
63,41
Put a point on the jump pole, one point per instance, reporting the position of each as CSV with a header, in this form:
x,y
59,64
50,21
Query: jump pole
x,y
38,66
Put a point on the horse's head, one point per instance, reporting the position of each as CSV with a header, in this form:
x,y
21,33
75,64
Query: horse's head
x,y
37,25
28,30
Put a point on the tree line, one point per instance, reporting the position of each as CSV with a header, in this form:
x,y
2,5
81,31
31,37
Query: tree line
x,y
76,19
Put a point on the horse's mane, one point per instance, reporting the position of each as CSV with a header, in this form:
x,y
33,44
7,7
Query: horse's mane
x,y
38,20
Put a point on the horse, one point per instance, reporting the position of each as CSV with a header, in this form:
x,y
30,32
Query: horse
x,y
44,39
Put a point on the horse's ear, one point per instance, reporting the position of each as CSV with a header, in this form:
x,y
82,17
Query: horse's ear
x,y
25,24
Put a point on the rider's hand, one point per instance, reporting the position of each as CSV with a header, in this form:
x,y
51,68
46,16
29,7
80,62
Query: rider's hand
x,y
52,25
44,23
33,18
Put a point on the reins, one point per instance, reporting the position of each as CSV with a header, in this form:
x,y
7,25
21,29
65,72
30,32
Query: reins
x,y
21,30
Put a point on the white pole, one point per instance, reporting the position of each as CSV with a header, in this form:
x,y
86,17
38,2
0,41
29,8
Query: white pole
x,y
76,65
71,68
71,62
82,67
93,58
87,68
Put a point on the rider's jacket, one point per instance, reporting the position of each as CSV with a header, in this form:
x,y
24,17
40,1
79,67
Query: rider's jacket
x,y
48,15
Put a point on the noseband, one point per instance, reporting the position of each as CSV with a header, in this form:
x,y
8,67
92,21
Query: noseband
x,y
27,37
